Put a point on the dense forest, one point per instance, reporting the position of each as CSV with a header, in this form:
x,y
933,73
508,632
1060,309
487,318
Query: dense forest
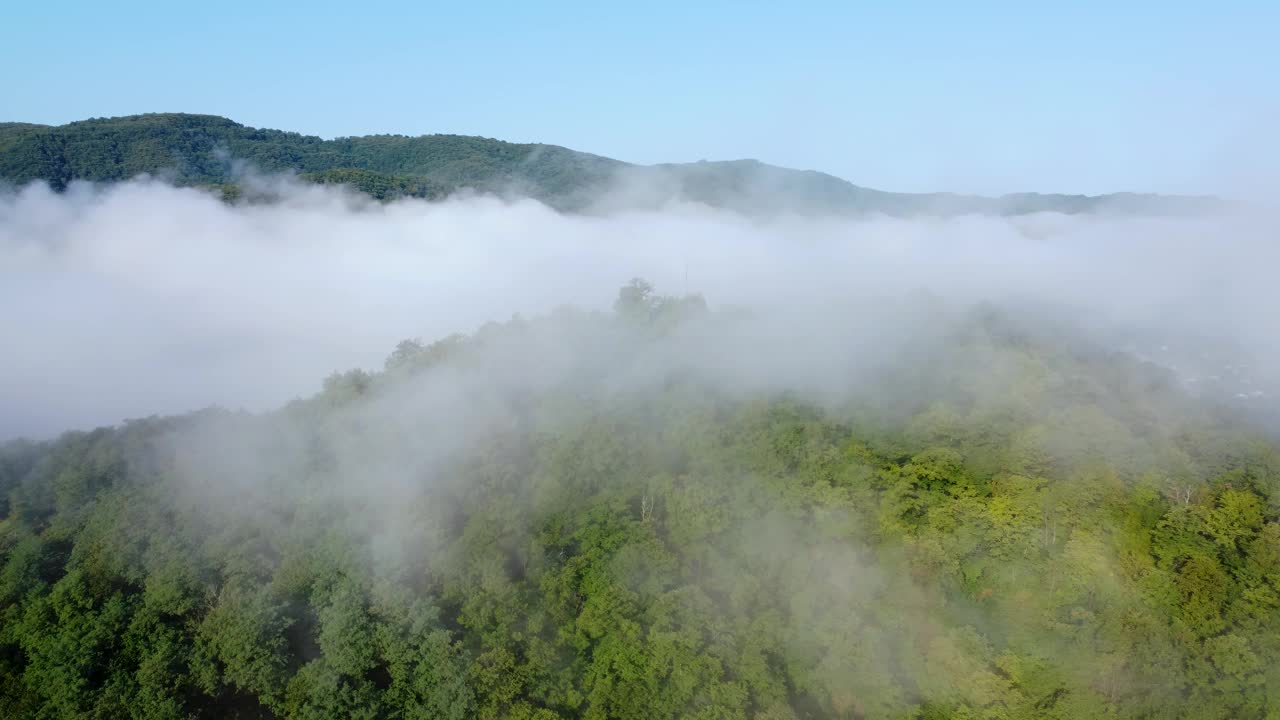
x,y
595,515
209,150
213,151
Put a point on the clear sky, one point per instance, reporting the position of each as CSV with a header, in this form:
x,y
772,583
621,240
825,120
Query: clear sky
x,y
969,96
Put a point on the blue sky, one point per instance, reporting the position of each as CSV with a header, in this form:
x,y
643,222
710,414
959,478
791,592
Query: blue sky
x,y
976,96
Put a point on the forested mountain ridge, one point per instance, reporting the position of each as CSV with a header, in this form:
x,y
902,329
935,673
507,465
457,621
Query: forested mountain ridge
x,y
204,150
201,149
584,515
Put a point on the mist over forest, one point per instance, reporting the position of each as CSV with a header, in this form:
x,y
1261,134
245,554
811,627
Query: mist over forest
x,y
183,301
298,451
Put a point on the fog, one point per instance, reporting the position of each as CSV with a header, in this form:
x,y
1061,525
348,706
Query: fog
x,y
141,298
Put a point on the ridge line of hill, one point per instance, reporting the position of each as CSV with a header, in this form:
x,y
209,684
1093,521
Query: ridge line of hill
x,y
209,150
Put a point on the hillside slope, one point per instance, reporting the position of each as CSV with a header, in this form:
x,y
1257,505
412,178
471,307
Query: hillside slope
x,y
211,150
583,515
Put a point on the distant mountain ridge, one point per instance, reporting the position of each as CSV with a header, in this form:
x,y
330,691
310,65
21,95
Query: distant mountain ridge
x,y
208,150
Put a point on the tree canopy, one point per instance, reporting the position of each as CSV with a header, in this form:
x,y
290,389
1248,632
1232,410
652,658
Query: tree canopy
x,y
215,152
436,540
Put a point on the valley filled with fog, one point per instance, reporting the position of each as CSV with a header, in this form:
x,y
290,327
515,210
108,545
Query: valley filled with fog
x,y
141,298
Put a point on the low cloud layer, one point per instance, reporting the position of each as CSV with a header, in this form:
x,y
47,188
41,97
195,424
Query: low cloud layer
x,y
142,298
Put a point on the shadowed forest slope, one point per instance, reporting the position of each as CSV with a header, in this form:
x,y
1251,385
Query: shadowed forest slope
x,y
214,151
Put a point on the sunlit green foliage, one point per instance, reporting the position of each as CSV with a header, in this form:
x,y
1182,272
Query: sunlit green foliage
x,y
1060,545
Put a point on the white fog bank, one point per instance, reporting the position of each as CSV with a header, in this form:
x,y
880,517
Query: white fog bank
x,y
141,298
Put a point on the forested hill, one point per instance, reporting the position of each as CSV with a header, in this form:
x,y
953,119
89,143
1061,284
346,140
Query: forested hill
x,y
588,515
210,150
